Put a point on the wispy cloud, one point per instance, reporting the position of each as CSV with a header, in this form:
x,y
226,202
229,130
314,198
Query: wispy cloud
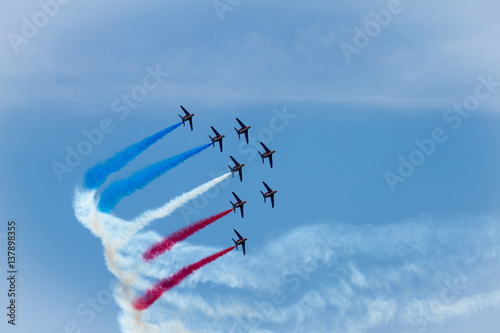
x,y
339,277
252,63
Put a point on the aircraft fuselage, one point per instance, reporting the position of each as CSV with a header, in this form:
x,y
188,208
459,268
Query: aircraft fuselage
x,y
237,167
239,204
268,153
218,138
187,117
244,129
270,193
241,241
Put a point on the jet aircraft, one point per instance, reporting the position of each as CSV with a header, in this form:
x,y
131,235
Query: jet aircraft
x,y
238,203
269,194
217,137
267,154
243,129
188,116
241,241
237,167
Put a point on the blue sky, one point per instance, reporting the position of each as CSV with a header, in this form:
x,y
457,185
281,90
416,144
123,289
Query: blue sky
x,y
343,250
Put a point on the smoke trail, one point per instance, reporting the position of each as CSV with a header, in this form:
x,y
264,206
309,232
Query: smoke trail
x,y
149,216
168,242
151,295
85,212
97,175
120,189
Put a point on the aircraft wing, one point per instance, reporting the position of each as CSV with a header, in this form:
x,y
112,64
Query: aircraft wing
x,y
241,174
236,163
246,136
268,188
215,131
272,201
271,160
264,146
238,199
237,234
239,121
185,111
191,123
243,245
242,213
220,143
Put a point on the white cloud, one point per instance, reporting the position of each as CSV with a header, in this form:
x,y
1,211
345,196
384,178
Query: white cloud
x,y
429,55
439,310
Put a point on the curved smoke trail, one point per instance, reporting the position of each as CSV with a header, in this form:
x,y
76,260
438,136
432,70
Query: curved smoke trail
x,y
86,212
93,215
120,189
149,216
151,295
127,270
97,175
178,236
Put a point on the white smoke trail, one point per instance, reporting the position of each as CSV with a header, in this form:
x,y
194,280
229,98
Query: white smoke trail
x,y
149,216
125,270
114,232
86,211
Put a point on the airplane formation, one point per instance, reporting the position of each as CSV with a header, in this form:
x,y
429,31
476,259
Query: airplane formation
x,y
237,167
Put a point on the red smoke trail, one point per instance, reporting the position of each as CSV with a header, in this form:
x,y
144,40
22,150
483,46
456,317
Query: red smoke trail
x,y
151,295
168,242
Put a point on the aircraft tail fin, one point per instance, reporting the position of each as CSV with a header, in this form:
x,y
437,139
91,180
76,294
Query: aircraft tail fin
x,y
239,134
232,172
235,244
183,121
213,142
261,156
263,196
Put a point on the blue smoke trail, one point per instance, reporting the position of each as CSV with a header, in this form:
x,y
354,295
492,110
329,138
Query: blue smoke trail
x,y
120,189
97,175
